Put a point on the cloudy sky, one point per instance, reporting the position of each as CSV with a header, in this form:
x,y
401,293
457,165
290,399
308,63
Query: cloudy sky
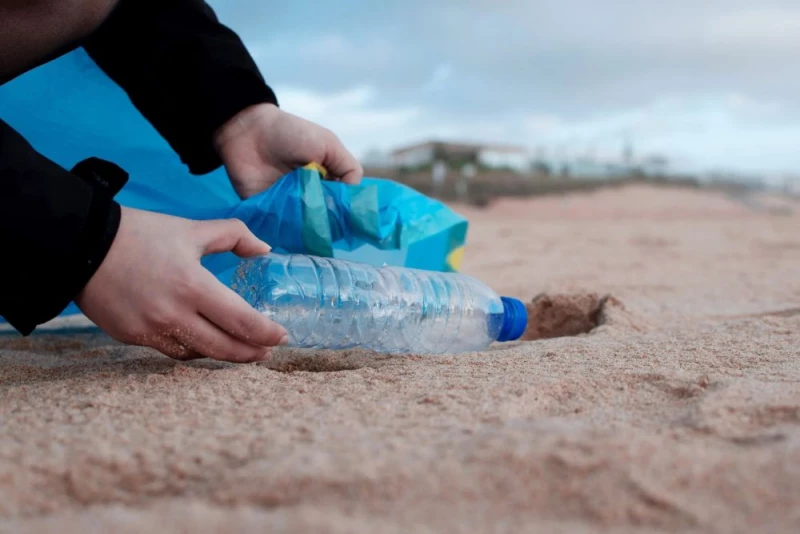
x,y
712,84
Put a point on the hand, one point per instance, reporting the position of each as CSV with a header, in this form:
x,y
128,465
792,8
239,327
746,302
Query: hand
x,y
151,290
263,143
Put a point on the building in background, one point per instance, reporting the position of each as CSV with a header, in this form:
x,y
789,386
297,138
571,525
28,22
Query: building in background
x,y
587,165
515,158
510,157
594,166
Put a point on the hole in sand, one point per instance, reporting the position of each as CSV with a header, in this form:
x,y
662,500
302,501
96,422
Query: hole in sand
x,y
562,315
322,361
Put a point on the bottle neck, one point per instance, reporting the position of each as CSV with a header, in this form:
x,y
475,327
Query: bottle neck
x,y
515,319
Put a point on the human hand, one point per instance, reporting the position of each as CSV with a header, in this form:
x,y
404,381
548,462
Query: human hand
x,y
152,290
262,143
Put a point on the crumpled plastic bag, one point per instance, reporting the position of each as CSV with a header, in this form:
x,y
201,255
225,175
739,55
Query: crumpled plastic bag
x,y
378,222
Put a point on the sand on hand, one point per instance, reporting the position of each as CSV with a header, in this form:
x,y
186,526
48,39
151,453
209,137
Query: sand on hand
x,y
657,390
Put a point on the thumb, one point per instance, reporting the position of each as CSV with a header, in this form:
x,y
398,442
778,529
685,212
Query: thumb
x,y
340,162
230,235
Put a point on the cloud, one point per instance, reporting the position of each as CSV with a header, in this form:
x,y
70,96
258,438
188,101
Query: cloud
x,y
441,74
763,26
351,114
710,82
695,133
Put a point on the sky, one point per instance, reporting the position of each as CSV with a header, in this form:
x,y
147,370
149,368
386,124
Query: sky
x,y
710,84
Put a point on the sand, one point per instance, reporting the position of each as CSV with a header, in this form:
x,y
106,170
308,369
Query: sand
x,y
678,411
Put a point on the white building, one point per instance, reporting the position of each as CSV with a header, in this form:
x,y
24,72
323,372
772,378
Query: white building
x,y
414,156
505,157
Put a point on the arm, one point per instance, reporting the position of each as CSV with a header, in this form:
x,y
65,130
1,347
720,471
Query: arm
x,y
135,274
56,228
185,72
193,79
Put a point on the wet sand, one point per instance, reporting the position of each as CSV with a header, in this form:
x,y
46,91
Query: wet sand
x,y
678,411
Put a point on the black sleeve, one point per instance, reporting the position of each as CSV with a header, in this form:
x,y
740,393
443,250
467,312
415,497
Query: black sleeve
x,y
56,227
183,70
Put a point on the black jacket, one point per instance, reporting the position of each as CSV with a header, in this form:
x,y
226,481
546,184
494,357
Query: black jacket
x,y
187,74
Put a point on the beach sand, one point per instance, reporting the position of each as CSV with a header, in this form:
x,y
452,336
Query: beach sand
x,y
678,411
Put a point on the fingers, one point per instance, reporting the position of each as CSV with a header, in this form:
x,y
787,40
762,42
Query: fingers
x,y
167,344
203,337
198,338
218,324
340,163
231,313
230,235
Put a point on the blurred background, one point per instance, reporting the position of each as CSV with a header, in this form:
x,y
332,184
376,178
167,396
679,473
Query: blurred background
x,y
473,99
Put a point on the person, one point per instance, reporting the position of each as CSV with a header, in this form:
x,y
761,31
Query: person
x,y
136,274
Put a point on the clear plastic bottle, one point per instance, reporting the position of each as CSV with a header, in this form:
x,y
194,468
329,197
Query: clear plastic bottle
x,y
327,303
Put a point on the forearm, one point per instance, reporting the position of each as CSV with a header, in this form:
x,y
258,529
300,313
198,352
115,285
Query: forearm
x,y
55,227
33,32
186,72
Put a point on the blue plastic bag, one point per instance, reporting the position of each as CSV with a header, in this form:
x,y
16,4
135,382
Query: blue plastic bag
x,y
69,110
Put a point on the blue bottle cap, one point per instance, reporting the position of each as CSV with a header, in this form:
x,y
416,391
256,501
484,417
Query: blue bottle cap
x,y
515,319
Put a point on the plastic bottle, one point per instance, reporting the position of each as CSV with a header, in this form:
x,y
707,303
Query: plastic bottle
x,y
328,303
